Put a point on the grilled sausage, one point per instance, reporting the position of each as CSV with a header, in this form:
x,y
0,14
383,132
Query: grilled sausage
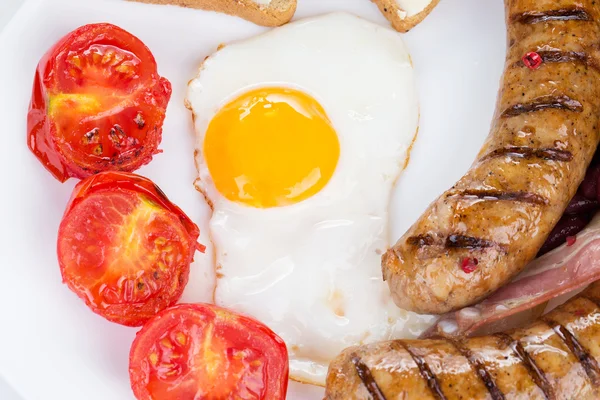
x,y
555,358
496,218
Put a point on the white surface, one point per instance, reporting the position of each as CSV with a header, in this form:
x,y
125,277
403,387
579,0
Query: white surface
x,y
52,347
7,9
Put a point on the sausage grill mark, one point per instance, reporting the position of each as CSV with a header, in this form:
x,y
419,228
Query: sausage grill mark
x,y
468,242
589,364
543,103
421,240
521,197
566,14
561,56
538,376
453,241
549,154
478,366
364,373
456,241
426,373
557,56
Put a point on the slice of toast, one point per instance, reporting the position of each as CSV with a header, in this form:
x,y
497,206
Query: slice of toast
x,y
261,12
401,20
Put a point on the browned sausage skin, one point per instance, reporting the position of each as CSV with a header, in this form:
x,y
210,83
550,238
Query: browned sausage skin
x,y
554,358
543,138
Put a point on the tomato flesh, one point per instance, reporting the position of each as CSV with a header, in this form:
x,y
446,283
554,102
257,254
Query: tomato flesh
x,y
98,104
124,252
199,351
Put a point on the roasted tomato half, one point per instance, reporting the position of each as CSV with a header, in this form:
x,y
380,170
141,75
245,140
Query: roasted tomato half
x,y
98,104
200,351
124,248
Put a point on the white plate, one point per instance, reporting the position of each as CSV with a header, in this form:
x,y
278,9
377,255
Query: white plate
x,y
51,345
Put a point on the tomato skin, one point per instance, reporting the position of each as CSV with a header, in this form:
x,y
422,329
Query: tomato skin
x,y
244,360
124,248
122,134
134,182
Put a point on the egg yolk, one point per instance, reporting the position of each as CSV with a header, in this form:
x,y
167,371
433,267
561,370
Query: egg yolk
x,y
271,147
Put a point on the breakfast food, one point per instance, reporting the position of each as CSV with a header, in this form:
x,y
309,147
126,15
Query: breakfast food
x,y
583,206
555,357
574,265
405,14
570,265
199,351
261,12
124,248
98,104
298,161
486,228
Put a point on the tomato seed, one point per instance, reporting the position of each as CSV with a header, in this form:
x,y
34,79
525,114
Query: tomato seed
x,y
181,338
130,142
121,131
139,120
75,61
108,56
91,136
153,359
116,135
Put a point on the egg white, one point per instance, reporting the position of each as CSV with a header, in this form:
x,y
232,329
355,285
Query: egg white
x,y
311,271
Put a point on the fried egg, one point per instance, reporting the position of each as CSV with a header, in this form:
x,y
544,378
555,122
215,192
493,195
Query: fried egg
x,y
301,134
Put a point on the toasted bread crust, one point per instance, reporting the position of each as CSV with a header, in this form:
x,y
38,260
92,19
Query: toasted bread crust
x,y
393,13
277,13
